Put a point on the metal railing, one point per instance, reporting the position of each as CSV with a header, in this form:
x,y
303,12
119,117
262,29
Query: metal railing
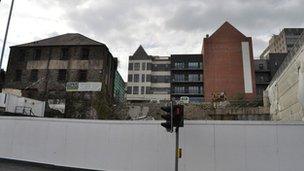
x,y
290,56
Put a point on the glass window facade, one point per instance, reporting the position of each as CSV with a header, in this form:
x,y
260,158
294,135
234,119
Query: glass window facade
x,y
194,89
143,66
179,77
160,79
179,89
148,78
142,91
194,77
149,66
130,78
136,66
136,78
135,90
129,90
193,65
179,65
143,78
130,66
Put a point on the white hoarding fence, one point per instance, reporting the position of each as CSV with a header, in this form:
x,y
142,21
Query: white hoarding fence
x,y
146,146
83,86
26,106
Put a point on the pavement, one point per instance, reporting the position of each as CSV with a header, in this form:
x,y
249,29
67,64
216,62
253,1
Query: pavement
x,y
10,165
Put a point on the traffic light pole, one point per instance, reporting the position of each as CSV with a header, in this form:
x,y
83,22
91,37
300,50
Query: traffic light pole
x,y
176,148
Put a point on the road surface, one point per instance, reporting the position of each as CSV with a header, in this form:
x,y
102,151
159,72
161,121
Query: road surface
x,y
8,165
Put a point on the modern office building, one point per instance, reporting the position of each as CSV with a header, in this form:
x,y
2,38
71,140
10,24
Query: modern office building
x,y
42,68
228,64
119,89
148,77
265,70
262,76
187,77
283,42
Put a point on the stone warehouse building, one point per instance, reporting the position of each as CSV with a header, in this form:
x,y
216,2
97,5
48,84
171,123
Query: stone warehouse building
x,y
42,68
148,77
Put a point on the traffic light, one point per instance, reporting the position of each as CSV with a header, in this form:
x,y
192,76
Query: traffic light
x,y
168,118
174,117
178,115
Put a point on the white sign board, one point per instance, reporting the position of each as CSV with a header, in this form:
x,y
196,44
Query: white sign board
x,y
83,86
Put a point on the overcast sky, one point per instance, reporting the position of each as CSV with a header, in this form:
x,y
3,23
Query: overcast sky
x,y
163,27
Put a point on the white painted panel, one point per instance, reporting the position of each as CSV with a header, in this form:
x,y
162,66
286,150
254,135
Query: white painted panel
x,y
197,140
247,67
261,148
56,149
291,151
230,147
6,137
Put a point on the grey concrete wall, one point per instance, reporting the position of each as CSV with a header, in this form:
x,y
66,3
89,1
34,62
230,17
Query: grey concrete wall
x,y
285,91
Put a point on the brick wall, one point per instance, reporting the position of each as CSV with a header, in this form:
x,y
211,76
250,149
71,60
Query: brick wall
x,y
223,63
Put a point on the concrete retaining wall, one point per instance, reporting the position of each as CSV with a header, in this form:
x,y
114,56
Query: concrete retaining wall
x,y
284,93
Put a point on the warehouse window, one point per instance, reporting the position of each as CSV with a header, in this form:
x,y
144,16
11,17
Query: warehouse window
x,y
37,54
85,54
64,54
22,55
18,75
34,75
62,75
82,75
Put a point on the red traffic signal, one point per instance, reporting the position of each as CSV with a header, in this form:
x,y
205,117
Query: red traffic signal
x,y
178,115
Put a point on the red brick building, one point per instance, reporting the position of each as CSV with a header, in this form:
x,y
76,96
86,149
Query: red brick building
x,y
228,64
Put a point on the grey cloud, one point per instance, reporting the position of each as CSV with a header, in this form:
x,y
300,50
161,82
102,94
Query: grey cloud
x,y
260,16
175,26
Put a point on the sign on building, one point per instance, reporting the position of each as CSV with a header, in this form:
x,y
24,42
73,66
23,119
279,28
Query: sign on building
x,y
83,86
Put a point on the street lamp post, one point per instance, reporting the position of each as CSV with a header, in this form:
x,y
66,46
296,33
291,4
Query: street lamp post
x,y
6,33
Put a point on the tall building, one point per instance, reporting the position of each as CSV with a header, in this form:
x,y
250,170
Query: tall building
x,y
262,76
148,77
119,88
265,70
42,68
283,42
228,64
187,77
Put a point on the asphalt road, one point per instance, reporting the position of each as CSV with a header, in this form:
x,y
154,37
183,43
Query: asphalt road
x,y
8,165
